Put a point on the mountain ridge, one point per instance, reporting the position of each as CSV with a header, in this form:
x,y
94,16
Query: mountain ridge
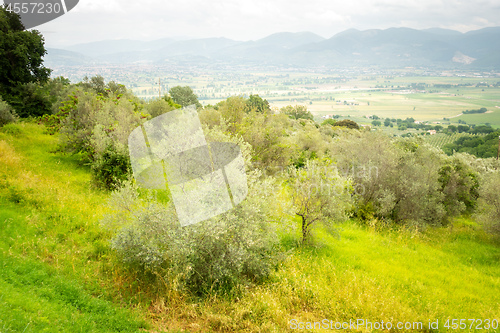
x,y
374,47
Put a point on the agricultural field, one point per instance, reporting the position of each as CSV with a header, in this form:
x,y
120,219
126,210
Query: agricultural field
x,y
436,99
440,139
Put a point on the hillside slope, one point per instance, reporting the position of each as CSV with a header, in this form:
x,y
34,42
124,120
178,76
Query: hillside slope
x,y
58,273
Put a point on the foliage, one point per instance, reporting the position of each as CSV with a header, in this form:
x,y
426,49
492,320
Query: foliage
x,y
233,110
318,195
111,167
257,104
99,86
480,146
21,65
481,110
237,247
56,260
488,211
297,112
53,122
158,107
267,134
7,114
98,128
184,96
459,184
31,100
328,121
405,181
347,123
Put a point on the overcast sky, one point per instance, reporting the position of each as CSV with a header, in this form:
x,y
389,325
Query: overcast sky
x,y
93,20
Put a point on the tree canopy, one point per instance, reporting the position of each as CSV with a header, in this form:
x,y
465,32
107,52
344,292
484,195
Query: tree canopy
x,y
184,96
21,64
256,103
297,112
347,123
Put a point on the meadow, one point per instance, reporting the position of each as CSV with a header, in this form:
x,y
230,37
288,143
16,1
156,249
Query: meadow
x,y
59,274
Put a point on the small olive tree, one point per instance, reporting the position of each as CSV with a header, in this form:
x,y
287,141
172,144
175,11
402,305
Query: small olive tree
x,y
319,194
238,247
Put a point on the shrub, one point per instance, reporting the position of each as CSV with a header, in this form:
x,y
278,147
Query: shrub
x,y
488,211
32,100
53,122
459,184
297,112
98,128
397,181
7,114
158,107
347,123
237,247
110,168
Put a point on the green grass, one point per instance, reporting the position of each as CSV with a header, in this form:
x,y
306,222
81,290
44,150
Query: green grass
x,y
51,277
492,118
58,273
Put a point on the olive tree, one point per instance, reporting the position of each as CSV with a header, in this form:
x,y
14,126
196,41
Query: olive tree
x,y
184,96
318,194
240,246
297,112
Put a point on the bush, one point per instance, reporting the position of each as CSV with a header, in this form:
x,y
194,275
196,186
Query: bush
x,y
237,247
397,181
488,211
53,122
297,112
7,114
347,123
98,128
31,100
459,184
110,168
158,107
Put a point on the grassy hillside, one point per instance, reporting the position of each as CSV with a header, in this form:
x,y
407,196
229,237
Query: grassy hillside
x,y
58,273
52,252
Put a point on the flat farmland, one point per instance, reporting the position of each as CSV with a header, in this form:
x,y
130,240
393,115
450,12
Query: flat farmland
x,y
436,99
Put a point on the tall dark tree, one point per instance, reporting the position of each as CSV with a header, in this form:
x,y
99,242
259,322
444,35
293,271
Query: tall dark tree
x,y
21,65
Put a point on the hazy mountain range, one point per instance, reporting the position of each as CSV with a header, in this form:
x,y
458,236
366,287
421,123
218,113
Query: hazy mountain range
x,y
393,47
